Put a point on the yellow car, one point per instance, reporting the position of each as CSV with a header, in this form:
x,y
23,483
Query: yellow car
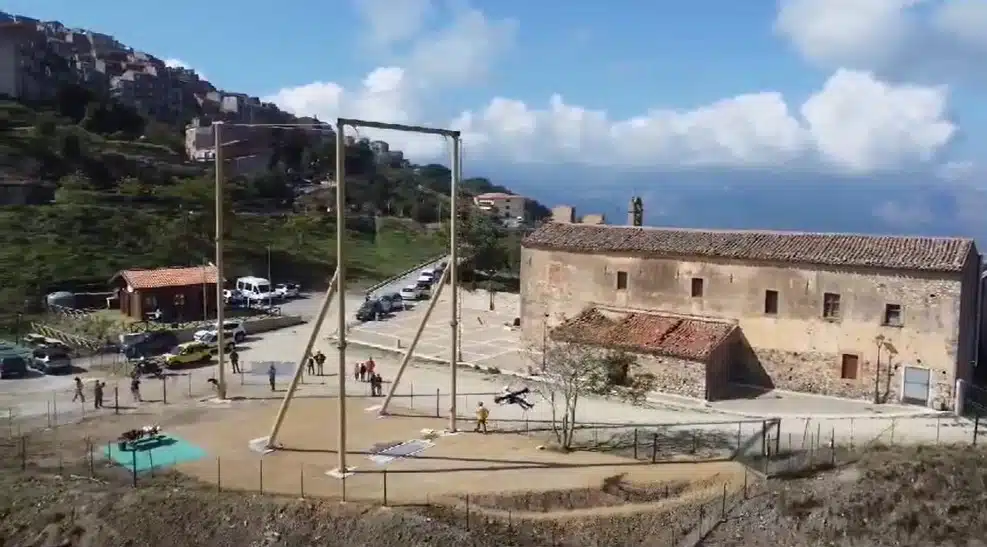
x,y
187,354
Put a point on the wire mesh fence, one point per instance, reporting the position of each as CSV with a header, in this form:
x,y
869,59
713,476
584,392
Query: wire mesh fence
x,y
689,511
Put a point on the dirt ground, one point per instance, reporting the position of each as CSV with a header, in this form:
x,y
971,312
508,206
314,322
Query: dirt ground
x,y
467,489
465,464
888,497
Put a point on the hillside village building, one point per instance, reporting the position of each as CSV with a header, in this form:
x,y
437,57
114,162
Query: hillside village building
x,y
882,318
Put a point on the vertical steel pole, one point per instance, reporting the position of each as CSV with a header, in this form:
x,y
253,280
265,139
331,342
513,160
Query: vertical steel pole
x,y
217,133
453,282
299,370
341,287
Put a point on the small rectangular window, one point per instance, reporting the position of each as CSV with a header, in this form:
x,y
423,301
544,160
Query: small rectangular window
x,y
848,366
697,287
771,302
892,315
831,305
621,281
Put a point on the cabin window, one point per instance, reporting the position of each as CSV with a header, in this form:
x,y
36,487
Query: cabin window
x,y
697,287
892,315
771,302
621,281
831,306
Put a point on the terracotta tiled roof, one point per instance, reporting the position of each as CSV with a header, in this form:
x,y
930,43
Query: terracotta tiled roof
x,y
654,333
936,254
169,277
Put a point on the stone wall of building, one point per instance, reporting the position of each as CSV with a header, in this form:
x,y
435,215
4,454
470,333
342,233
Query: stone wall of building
x,y
677,376
795,345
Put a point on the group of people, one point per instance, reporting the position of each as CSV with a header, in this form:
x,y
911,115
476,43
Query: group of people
x,y
367,372
99,391
316,363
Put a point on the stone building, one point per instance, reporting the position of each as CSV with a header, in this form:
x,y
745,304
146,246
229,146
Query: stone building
x,y
712,313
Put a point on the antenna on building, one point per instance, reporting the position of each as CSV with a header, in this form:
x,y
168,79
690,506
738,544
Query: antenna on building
x,y
635,215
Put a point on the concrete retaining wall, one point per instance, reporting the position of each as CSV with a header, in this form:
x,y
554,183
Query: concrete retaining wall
x,y
253,326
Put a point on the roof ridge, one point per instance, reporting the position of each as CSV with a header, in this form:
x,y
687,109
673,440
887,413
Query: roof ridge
x,y
765,231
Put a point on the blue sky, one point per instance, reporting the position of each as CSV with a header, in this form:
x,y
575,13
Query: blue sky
x,y
579,101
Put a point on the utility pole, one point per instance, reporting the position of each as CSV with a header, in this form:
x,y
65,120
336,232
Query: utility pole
x,y
454,282
220,276
341,289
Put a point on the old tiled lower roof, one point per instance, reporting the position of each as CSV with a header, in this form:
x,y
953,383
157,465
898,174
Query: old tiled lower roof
x,y
653,333
169,277
936,254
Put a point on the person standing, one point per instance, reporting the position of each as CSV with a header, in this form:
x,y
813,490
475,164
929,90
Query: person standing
x,y
135,388
356,371
272,373
79,395
235,361
371,365
320,361
98,394
482,413
310,366
363,372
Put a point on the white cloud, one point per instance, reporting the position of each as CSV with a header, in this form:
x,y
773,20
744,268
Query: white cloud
x,y
394,21
855,123
175,63
939,40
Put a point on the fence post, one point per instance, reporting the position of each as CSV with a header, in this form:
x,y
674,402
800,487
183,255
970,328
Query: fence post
x,y
702,513
745,482
384,475
832,446
411,395
654,448
48,414
764,438
116,399
778,435
219,475
133,461
976,428
635,443
740,433
260,477
467,512
723,504
851,434
164,390
23,452
437,412
301,481
189,376
92,459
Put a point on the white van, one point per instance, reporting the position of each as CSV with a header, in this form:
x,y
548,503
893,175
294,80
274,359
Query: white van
x,y
255,288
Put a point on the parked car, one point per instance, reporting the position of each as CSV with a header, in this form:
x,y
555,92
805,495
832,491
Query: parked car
x,y
211,341
287,290
371,310
232,330
424,289
427,276
147,344
13,366
411,293
394,300
187,354
51,360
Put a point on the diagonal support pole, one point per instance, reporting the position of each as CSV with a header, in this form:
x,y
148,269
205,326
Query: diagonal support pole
x,y
316,328
414,341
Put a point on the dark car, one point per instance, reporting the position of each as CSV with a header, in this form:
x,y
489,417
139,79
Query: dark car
x,y
51,360
395,300
370,310
13,366
148,344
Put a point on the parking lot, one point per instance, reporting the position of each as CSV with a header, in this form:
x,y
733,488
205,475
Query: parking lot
x,y
487,337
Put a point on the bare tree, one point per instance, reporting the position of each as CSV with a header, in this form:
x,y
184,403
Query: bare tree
x,y
570,371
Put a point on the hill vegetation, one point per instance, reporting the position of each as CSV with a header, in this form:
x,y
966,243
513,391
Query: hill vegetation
x,y
99,188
